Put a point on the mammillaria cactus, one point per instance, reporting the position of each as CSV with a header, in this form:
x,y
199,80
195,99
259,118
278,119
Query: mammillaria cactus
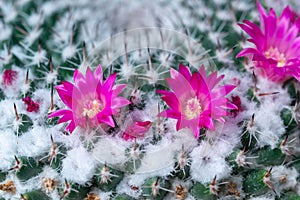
x,y
149,100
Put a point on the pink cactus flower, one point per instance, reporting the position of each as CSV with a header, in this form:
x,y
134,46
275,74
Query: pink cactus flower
x,y
236,100
31,105
196,100
8,77
136,130
91,101
277,52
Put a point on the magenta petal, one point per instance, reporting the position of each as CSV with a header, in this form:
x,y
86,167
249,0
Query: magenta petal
x,y
90,79
119,102
71,127
185,71
195,128
59,113
230,106
78,77
173,73
207,122
106,119
65,95
98,74
108,83
246,52
170,114
170,99
65,118
118,89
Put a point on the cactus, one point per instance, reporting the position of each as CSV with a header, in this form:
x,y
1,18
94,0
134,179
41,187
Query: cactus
x,y
149,100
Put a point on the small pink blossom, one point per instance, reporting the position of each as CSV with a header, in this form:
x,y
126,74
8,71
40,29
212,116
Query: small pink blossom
x,y
8,77
196,100
277,52
236,100
136,130
91,101
31,105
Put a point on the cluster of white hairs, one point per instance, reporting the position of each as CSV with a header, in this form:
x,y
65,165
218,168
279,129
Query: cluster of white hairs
x,y
43,42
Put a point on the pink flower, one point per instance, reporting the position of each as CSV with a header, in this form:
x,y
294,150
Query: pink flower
x,y
277,41
196,100
8,77
236,100
31,105
136,130
90,101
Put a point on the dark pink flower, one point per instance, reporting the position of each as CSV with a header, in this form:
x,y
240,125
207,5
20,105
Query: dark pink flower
x,y
136,130
31,105
236,100
90,101
196,100
277,52
8,77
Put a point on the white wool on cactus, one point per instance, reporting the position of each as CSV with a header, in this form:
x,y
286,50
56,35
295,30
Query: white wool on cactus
x,y
284,178
270,125
264,197
8,149
80,162
225,137
207,163
110,150
159,159
34,143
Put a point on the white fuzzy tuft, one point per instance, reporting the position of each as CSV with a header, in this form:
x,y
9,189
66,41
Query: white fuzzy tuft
x,y
159,159
284,178
79,162
8,149
207,163
34,143
110,151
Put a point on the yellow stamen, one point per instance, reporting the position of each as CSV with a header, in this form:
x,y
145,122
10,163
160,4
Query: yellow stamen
x,y
192,108
275,54
92,108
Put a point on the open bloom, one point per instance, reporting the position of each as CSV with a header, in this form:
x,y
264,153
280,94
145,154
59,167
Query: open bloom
x,y
277,52
196,100
90,101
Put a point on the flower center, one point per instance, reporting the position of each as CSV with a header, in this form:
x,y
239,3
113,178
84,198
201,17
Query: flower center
x,y
275,54
92,108
192,108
